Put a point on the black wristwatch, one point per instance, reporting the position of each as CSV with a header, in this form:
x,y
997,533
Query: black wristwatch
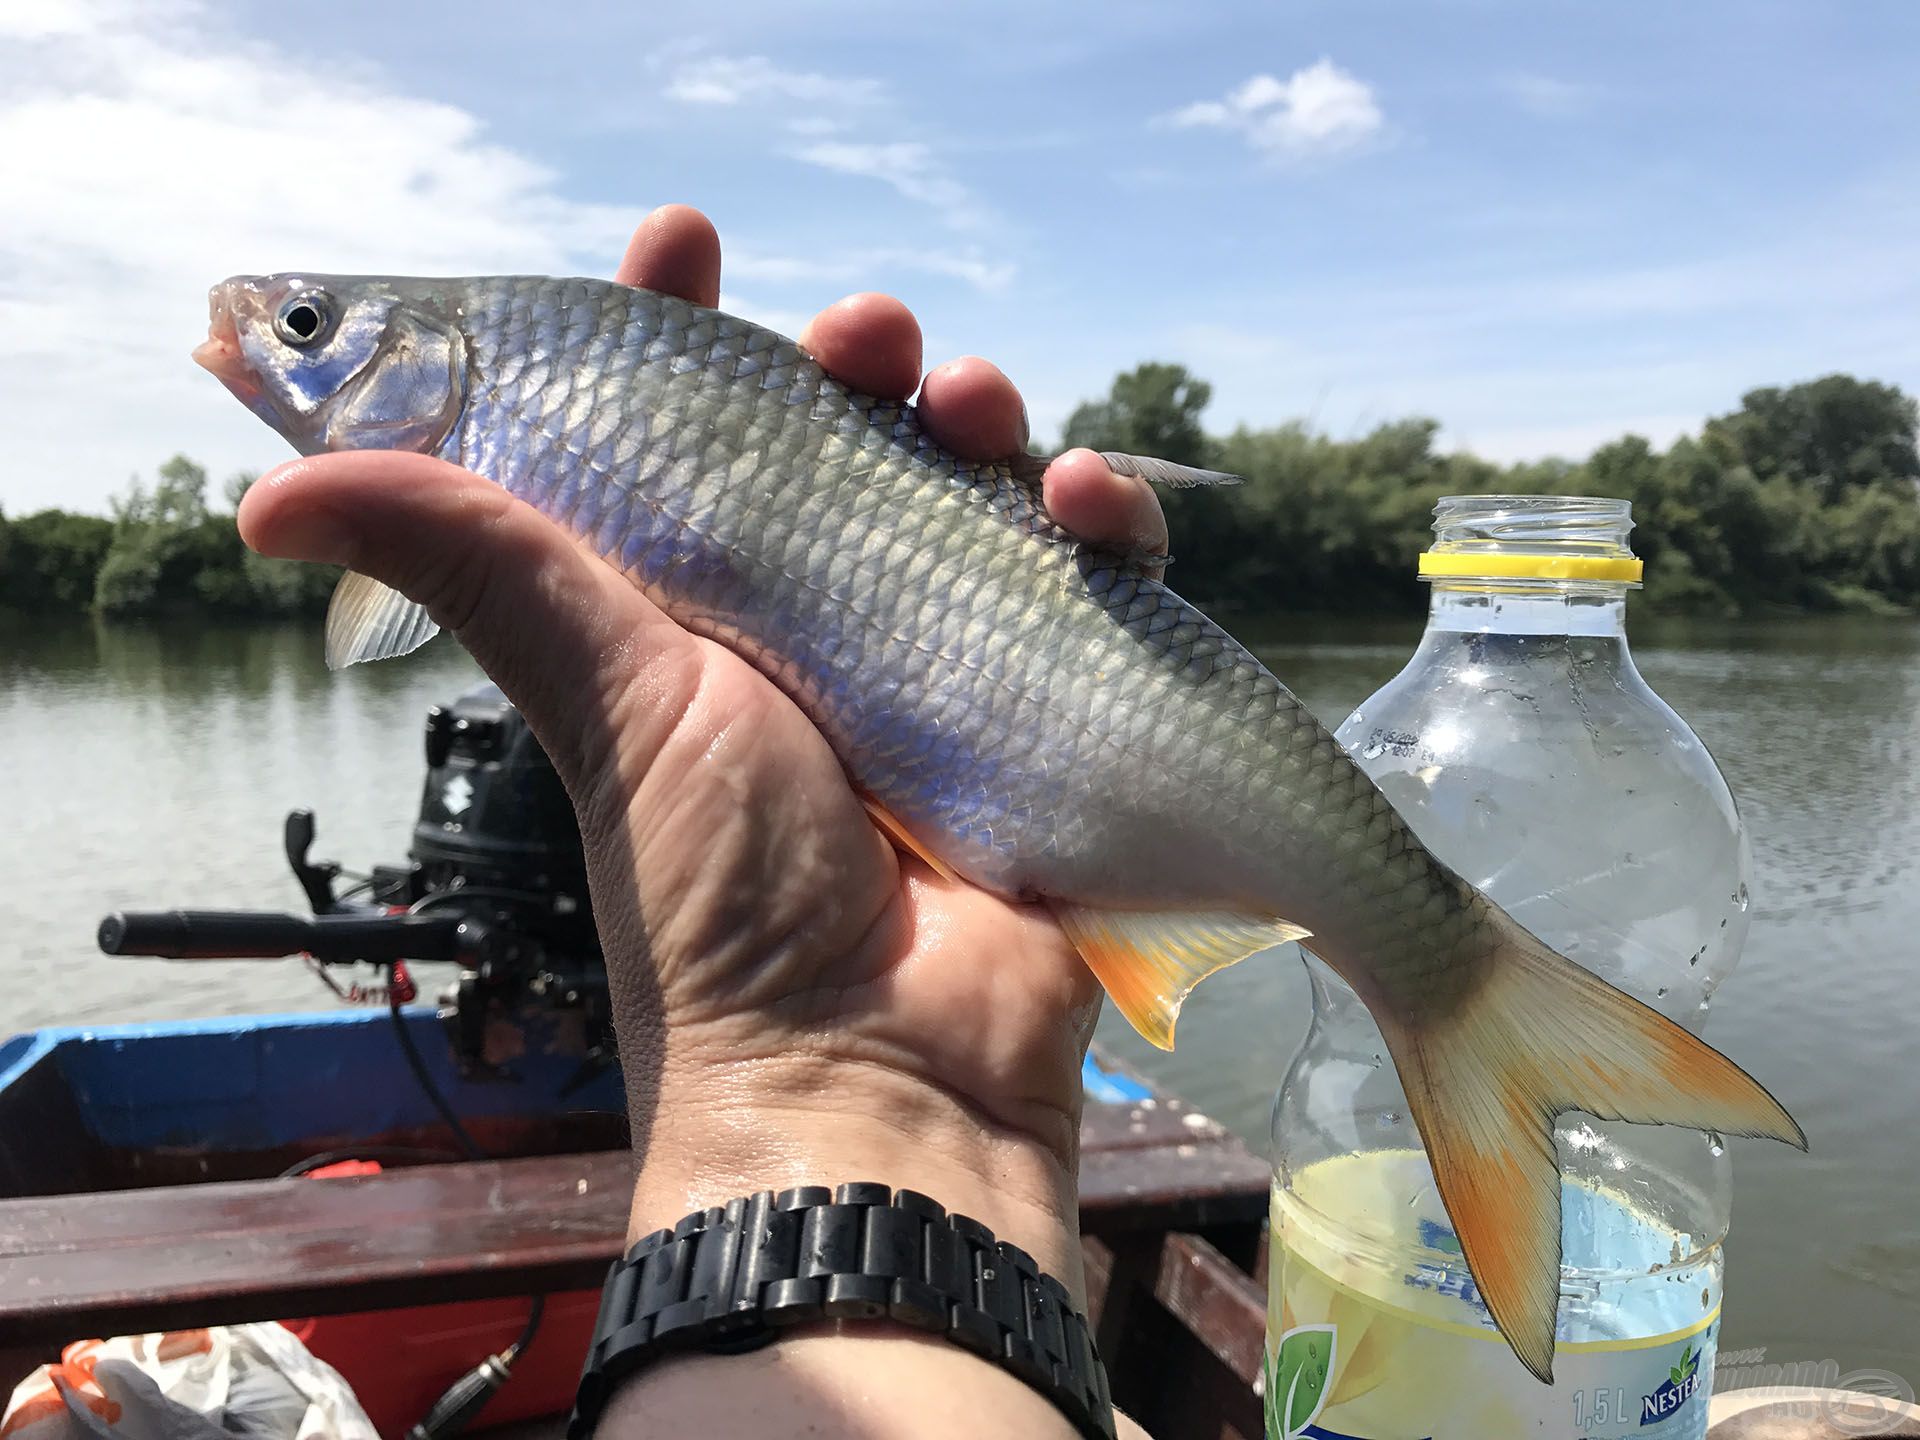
x,y
731,1278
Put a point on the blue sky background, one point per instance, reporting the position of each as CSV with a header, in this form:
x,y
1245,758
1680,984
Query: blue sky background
x,y
1543,224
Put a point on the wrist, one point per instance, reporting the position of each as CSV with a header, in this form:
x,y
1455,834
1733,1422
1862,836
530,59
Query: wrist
x,y
732,1127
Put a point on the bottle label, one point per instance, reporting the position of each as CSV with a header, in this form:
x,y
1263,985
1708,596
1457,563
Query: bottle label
x,y
1344,1365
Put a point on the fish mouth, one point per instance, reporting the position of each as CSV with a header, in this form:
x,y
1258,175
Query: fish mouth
x,y
220,354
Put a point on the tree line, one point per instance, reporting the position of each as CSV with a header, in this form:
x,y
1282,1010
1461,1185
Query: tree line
x,y
165,551
1807,497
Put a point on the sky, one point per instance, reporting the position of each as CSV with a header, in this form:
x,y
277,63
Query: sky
x,y
1542,224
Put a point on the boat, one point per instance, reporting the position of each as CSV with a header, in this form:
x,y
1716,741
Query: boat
x,y
179,1174
398,1181
141,1168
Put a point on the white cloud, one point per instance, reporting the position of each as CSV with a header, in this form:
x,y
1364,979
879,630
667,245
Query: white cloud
x,y
982,274
152,153
148,160
747,79
812,127
908,166
1320,110
870,266
39,19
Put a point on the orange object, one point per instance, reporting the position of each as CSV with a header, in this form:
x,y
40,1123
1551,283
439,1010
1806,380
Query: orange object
x,y
74,1372
344,1167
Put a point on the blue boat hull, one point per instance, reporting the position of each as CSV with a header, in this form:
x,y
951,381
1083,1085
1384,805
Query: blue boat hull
x,y
242,1097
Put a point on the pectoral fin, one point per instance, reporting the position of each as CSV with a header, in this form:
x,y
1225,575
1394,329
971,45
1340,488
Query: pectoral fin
x,y
1149,960
902,837
370,621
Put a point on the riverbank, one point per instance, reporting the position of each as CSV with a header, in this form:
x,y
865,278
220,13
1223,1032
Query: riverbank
x,y
1805,500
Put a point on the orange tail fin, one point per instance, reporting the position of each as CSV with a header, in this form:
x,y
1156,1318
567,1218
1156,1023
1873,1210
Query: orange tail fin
x,y
1543,1036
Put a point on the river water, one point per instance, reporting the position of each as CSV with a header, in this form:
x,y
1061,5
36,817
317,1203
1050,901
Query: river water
x,y
152,766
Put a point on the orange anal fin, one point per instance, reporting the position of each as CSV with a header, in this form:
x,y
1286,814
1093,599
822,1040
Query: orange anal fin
x,y
1149,960
891,827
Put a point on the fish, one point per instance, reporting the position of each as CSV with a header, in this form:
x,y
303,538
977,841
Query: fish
x,y
1035,713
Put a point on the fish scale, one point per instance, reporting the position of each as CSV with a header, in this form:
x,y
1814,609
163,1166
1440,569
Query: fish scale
x,y
1032,713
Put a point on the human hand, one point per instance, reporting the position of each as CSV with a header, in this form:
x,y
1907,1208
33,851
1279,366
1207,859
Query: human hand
x,y
795,1002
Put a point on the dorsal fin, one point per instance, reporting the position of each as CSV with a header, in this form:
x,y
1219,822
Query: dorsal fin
x,y
1029,469
1165,472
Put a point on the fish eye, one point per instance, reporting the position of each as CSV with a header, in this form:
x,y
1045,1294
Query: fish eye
x,y
304,320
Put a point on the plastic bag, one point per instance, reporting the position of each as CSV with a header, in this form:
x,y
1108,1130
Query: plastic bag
x,y
248,1380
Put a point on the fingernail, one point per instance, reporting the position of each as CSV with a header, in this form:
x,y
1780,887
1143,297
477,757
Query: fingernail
x,y
1026,426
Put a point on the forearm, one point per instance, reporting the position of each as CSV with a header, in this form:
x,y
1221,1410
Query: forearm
x,y
862,1380
732,1129
798,1122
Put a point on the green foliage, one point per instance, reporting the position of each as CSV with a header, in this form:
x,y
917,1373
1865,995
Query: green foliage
x,y
237,486
1833,436
163,552
1153,409
1806,498
50,560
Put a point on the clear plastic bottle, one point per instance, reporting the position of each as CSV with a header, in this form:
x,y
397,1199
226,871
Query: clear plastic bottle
x,y
1523,747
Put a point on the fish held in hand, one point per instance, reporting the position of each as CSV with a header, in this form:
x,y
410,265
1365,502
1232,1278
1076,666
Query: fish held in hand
x,y
1023,709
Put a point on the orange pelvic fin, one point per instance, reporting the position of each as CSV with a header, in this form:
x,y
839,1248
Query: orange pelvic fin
x,y
902,838
1149,960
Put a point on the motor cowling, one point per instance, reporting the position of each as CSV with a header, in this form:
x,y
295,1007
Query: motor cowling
x,y
492,809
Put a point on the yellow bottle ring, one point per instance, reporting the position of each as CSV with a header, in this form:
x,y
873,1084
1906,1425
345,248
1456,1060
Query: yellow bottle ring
x,y
1480,564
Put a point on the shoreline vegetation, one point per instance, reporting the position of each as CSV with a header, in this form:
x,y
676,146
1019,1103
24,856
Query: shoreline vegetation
x,y
164,552
1804,500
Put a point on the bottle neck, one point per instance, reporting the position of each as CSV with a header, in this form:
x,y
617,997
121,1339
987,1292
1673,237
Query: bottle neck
x,y
1536,608
1530,565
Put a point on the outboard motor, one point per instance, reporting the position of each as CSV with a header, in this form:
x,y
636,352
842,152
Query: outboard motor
x,y
493,811
496,883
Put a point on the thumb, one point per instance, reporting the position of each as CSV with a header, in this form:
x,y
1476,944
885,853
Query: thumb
x,y
558,629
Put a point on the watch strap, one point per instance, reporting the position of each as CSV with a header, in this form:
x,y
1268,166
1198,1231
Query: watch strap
x,y
732,1277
